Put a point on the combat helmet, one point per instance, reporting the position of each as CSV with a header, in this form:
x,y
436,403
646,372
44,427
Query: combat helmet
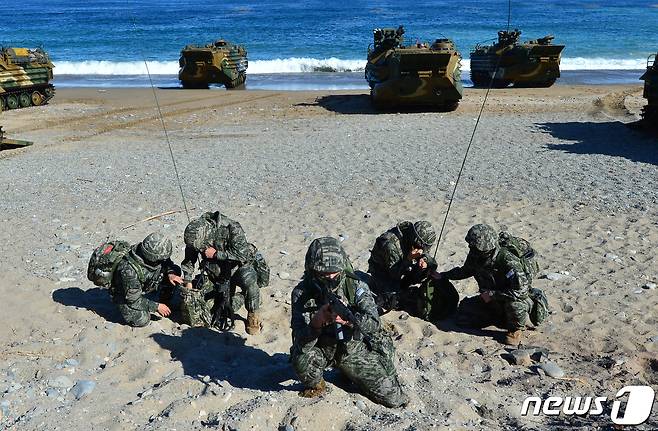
x,y
325,255
197,233
424,233
482,237
155,247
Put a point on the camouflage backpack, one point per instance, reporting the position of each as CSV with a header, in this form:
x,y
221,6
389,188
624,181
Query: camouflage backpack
x,y
540,309
437,299
261,267
521,249
104,261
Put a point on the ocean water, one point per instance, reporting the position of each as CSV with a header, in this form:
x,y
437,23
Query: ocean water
x,y
318,44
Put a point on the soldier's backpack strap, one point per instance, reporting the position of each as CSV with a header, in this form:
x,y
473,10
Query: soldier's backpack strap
x,y
351,283
137,267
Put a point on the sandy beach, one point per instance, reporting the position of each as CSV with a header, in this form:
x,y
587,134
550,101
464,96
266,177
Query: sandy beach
x,y
557,166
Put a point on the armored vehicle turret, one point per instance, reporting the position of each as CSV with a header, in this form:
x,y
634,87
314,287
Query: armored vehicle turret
x,y
25,76
220,62
650,78
535,63
421,74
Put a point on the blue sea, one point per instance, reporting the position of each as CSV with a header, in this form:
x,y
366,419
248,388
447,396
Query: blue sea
x,y
300,45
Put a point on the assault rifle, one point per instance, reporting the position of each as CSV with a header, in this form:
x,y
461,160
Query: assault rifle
x,y
344,312
222,316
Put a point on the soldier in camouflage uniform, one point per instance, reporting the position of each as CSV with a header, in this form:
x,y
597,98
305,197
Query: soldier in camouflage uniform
x,y
226,261
504,279
361,350
146,268
399,262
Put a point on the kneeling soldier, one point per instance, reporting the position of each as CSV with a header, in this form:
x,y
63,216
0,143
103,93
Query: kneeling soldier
x,y
403,273
226,260
503,267
335,323
147,267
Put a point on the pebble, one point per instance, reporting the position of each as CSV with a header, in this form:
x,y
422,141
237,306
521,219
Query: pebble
x,y
343,237
71,363
62,247
82,388
283,275
403,316
283,252
288,428
52,393
521,357
611,256
649,286
360,405
206,379
552,370
14,387
61,382
555,276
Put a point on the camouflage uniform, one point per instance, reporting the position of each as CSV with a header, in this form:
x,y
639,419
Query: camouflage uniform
x,y
233,263
394,276
365,356
500,272
142,271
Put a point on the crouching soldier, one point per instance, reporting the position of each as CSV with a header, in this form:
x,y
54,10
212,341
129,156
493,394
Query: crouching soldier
x,y
226,261
503,267
147,267
335,323
403,274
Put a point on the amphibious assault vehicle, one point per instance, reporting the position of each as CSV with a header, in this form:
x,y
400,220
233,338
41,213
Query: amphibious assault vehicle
x,y
25,76
535,63
650,78
220,62
421,74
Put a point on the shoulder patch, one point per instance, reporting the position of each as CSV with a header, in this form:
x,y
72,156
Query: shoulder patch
x,y
359,291
510,273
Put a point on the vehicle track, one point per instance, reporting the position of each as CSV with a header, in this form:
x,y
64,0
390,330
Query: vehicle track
x,y
168,114
67,122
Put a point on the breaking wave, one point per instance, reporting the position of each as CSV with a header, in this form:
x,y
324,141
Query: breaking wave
x,y
302,65
279,65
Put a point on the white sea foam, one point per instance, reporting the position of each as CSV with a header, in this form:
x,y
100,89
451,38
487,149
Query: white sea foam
x,y
302,65
305,64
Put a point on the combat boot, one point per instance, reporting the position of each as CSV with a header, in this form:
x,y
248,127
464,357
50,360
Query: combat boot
x,y
253,324
314,391
513,338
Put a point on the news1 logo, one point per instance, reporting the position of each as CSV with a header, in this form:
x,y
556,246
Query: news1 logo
x,y
637,411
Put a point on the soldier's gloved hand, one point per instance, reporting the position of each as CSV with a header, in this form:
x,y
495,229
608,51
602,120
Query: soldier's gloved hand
x,y
323,317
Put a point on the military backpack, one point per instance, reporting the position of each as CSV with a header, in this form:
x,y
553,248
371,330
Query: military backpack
x,y
262,268
522,249
104,261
